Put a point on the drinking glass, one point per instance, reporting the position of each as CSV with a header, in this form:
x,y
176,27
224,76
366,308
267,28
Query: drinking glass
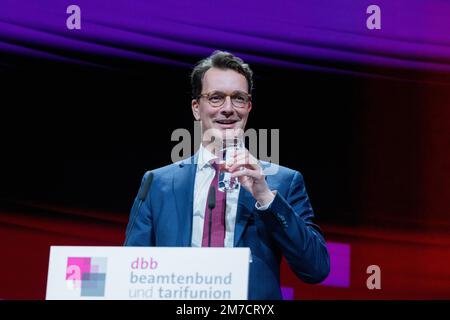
x,y
226,159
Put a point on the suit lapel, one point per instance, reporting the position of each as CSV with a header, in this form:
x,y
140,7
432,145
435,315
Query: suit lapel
x,y
245,210
183,188
246,205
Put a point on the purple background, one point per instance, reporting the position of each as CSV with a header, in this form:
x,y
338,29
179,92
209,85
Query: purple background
x,y
322,35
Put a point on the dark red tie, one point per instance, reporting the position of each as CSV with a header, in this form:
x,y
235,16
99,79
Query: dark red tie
x,y
218,216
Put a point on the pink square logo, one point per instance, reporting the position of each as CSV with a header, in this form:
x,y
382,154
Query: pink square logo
x,y
87,275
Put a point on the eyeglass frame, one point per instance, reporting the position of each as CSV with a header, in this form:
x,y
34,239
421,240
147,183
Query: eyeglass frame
x,y
249,97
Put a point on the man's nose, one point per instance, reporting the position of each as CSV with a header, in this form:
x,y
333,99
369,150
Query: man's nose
x,y
227,106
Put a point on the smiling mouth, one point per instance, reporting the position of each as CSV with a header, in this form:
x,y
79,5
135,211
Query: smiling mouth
x,y
226,121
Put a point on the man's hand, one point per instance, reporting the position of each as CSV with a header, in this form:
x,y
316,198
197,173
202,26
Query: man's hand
x,y
247,168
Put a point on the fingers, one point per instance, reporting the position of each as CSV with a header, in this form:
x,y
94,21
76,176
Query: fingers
x,y
241,159
246,172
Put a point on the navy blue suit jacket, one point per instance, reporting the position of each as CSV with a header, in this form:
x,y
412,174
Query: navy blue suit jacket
x,y
284,229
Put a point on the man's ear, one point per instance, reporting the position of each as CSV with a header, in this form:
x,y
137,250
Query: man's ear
x,y
195,111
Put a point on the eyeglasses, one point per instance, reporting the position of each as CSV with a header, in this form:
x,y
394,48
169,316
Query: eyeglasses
x,y
216,99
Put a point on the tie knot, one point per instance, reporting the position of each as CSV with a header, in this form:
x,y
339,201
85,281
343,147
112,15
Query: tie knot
x,y
214,164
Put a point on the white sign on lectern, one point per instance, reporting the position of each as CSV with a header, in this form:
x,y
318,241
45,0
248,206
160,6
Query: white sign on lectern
x,y
154,273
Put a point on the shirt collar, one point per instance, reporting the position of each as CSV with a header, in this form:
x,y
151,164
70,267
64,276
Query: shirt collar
x,y
204,157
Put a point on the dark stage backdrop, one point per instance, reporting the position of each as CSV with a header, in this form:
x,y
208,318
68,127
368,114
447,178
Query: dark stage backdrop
x,y
366,121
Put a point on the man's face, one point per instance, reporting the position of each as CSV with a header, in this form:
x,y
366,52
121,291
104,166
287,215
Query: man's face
x,y
227,116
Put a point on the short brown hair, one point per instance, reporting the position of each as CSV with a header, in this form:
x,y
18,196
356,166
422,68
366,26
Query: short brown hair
x,y
221,60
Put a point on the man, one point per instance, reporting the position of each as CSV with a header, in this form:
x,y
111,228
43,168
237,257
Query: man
x,y
269,214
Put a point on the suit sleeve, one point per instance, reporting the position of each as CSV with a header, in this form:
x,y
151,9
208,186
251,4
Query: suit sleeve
x,y
299,239
139,231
